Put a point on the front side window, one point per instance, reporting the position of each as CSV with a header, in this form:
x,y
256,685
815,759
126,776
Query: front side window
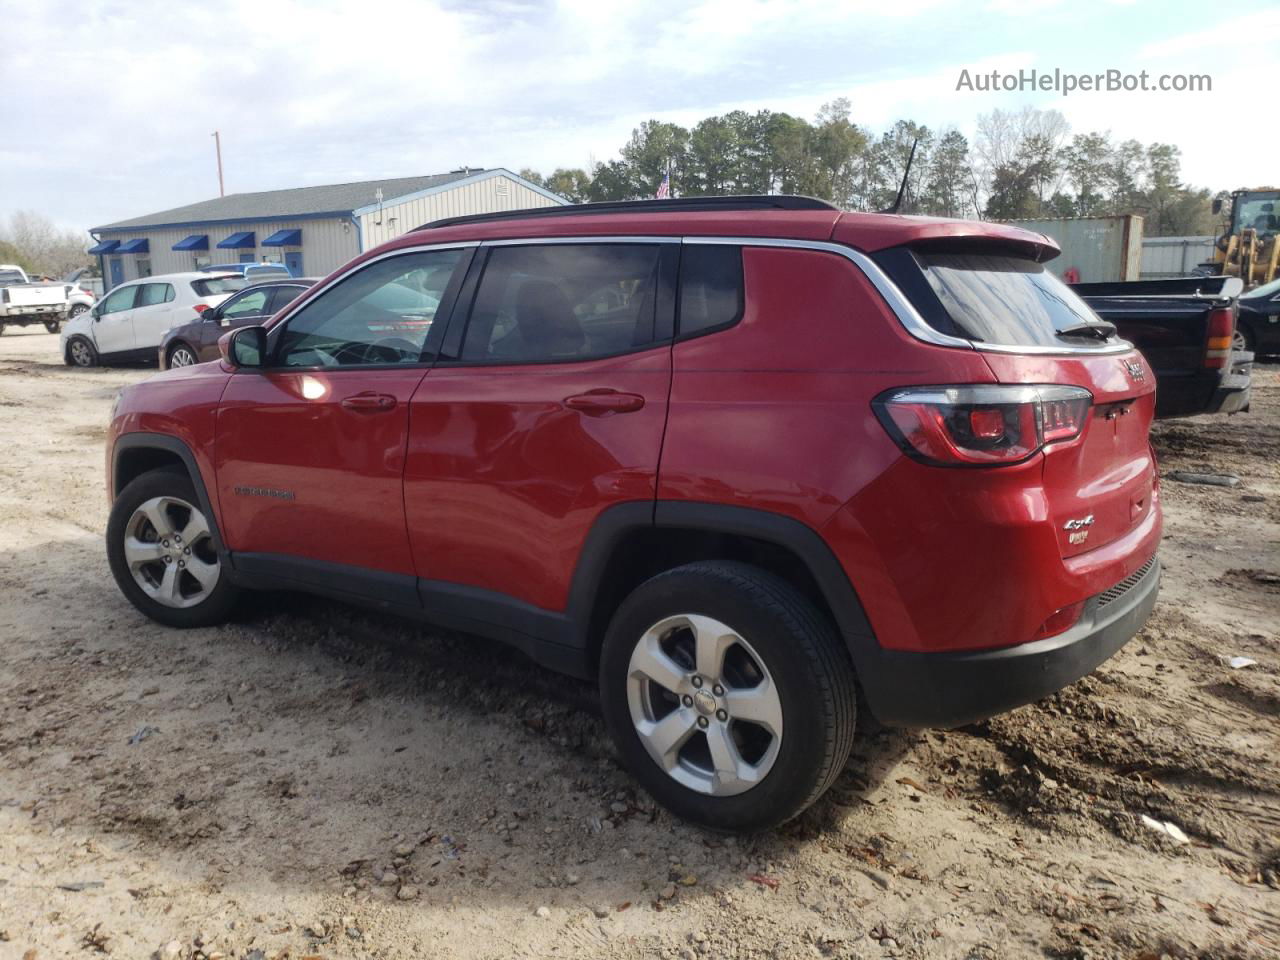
x,y
119,299
378,315
251,304
154,293
563,302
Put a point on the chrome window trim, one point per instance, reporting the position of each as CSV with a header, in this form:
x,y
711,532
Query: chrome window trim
x,y
907,314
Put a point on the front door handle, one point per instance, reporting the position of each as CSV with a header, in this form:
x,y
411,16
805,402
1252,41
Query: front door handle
x,y
597,403
369,402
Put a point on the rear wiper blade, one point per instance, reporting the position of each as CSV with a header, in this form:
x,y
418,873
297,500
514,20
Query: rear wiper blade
x,y
1102,330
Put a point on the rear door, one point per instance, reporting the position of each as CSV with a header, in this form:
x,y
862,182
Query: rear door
x,y
547,407
310,450
153,314
113,320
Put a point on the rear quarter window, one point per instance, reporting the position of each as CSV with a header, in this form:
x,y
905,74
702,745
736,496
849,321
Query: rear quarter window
x,y
991,297
711,288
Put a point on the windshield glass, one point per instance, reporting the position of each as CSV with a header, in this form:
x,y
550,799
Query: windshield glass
x,y
215,286
1259,212
1263,292
1003,299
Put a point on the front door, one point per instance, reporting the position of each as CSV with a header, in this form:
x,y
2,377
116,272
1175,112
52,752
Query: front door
x,y
113,320
310,450
551,410
117,271
293,261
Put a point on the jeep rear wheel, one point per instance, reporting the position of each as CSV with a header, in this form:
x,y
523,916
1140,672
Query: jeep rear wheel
x,y
53,326
729,695
163,553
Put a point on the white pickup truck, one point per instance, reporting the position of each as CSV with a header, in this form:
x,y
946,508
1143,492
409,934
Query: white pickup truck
x,y
23,302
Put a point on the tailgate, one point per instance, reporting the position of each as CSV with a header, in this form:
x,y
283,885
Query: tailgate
x,y
1099,485
26,296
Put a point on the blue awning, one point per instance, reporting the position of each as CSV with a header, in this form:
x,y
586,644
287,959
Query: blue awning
x,y
104,246
197,241
284,238
237,241
138,245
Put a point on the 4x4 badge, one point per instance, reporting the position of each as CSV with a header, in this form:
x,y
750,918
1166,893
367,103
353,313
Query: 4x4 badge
x,y
1135,370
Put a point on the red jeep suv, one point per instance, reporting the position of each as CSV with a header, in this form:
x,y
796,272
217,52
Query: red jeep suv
x,y
737,458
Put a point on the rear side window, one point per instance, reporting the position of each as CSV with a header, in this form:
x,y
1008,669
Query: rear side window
x,y
155,293
283,296
992,298
216,286
563,302
711,294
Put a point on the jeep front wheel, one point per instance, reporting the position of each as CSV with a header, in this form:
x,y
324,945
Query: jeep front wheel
x,y
729,695
163,555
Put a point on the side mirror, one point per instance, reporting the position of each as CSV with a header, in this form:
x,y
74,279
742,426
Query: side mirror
x,y
246,347
1217,205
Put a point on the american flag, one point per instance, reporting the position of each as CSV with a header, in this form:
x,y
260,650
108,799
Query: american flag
x,y
664,188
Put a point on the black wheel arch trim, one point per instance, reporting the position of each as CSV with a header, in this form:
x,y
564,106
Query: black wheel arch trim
x,y
173,445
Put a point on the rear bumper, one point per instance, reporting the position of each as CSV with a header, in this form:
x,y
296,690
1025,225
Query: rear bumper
x,y
1232,394
952,689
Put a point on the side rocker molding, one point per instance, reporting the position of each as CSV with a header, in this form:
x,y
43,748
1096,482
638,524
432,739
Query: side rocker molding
x,y
169,444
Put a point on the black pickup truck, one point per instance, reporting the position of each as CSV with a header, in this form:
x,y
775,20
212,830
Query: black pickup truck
x,y
1184,328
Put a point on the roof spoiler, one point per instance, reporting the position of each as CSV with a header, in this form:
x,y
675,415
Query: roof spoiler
x,y
1192,288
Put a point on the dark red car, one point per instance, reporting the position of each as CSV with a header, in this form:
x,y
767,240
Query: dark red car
x,y
732,457
197,341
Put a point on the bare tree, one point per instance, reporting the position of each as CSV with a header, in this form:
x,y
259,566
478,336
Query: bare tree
x,y
49,249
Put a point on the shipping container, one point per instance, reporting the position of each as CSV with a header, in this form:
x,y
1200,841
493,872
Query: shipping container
x,y
1164,258
1094,249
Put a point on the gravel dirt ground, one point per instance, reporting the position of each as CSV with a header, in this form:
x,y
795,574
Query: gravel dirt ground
x,y
314,781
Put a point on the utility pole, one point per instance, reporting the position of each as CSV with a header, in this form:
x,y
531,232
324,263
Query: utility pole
x,y
217,144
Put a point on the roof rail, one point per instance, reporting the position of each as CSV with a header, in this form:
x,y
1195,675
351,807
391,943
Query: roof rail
x,y
780,201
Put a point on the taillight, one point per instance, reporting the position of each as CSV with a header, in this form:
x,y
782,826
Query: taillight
x,y
201,308
981,425
1222,327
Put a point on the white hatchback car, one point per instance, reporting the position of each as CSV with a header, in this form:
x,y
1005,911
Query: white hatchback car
x,y
127,324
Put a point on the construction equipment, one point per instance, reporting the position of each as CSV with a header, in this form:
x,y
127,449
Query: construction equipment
x,y
1248,247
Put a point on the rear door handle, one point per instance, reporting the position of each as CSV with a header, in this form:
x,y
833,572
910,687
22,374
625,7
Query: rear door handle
x,y
369,402
596,403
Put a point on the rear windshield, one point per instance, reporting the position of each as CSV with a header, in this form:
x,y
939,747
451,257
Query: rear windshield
x,y
993,298
215,286
9,277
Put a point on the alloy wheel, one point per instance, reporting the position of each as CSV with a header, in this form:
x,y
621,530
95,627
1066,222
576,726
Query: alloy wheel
x,y
704,705
182,357
81,353
169,552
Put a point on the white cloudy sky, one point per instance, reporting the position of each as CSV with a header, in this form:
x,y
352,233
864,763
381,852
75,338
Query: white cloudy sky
x,y
106,108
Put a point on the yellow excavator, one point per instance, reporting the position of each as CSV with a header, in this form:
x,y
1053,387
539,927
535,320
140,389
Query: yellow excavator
x,y
1248,247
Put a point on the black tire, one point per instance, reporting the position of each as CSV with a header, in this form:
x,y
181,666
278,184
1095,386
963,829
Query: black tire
x,y
53,326
220,602
1,328
800,649
81,353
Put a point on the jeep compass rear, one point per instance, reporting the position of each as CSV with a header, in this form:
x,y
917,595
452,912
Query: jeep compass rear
x,y
733,458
